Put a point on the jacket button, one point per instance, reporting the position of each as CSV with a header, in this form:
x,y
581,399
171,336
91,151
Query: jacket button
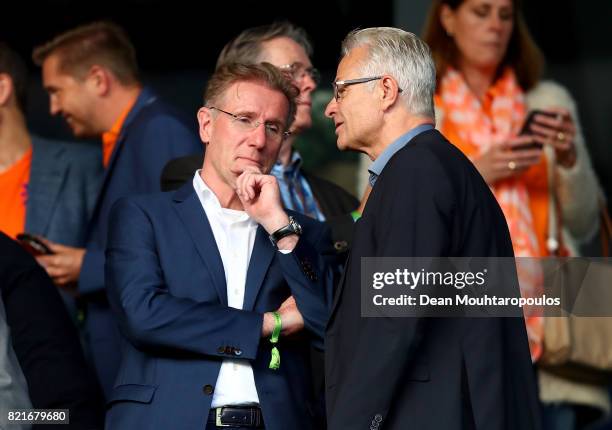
x,y
237,352
341,245
208,389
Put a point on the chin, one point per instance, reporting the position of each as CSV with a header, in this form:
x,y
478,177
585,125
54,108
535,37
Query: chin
x,y
303,120
84,133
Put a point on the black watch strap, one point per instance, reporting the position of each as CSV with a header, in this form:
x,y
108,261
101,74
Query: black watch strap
x,y
292,228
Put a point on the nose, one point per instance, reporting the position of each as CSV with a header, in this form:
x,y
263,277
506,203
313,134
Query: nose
x,y
54,108
307,84
332,108
495,22
258,136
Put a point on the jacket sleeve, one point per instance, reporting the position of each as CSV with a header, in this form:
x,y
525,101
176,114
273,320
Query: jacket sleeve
x,y
149,315
308,270
577,188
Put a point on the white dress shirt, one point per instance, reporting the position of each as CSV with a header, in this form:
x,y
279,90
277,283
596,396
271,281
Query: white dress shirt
x,y
234,233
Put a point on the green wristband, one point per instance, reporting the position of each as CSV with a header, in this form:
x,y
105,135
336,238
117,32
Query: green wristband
x,y
278,325
356,215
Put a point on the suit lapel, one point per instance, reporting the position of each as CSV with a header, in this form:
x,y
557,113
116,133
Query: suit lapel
x,y
46,180
261,257
145,98
194,218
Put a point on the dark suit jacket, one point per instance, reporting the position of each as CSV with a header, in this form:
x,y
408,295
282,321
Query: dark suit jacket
x,y
62,192
64,183
46,342
167,285
153,134
427,373
335,203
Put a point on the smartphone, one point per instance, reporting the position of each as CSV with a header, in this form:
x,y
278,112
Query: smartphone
x,y
33,244
526,129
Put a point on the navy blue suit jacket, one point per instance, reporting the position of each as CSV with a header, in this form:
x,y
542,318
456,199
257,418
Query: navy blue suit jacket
x,y
166,284
153,134
62,192
63,188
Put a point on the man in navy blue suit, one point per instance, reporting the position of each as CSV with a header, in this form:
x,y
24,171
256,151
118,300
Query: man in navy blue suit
x,y
200,278
92,79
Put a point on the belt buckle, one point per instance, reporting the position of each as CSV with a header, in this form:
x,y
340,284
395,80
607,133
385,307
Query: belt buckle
x,y
218,414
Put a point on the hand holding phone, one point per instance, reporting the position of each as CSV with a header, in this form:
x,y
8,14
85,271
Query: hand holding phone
x,y
33,245
526,129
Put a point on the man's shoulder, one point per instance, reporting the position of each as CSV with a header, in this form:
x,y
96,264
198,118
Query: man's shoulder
x,y
80,156
333,199
159,111
149,202
428,151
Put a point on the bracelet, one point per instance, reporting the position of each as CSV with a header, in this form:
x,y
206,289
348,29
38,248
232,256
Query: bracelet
x,y
275,358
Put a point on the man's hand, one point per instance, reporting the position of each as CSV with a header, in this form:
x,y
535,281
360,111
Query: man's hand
x,y
260,197
291,318
64,265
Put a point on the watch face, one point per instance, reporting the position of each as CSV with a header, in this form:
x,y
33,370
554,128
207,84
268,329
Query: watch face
x,y
296,227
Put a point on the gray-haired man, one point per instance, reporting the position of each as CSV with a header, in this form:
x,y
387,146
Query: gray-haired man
x,y
427,200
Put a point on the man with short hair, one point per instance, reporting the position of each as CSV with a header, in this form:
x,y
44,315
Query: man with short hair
x,y
427,200
92,79
195,277
47,187
288,47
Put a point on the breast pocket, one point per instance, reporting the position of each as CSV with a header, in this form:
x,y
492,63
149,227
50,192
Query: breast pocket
x,y
132,393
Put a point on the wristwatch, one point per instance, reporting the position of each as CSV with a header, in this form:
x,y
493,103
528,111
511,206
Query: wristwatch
x,y
292,228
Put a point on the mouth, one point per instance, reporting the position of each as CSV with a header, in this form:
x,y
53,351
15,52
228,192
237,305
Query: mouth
x,y
337,125
250,160
304,101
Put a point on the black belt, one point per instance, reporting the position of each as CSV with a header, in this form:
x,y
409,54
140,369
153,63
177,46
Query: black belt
x,y
236,416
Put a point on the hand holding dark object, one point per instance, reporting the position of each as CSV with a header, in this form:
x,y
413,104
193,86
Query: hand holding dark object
x,y
33,244
556,127
507,159
63,265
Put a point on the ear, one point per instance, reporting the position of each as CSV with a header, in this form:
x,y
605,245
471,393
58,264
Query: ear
x,y
205,124
390,91
99,80
6,89
447,19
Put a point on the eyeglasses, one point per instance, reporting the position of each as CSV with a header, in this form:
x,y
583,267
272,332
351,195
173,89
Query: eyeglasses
x,y
340,86
298,71
274,131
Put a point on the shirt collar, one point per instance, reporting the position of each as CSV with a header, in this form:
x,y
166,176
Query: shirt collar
x,y
292,170
379,164
210,201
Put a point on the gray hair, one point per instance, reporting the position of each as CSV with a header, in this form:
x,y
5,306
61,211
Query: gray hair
x,y
247,46
403,56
